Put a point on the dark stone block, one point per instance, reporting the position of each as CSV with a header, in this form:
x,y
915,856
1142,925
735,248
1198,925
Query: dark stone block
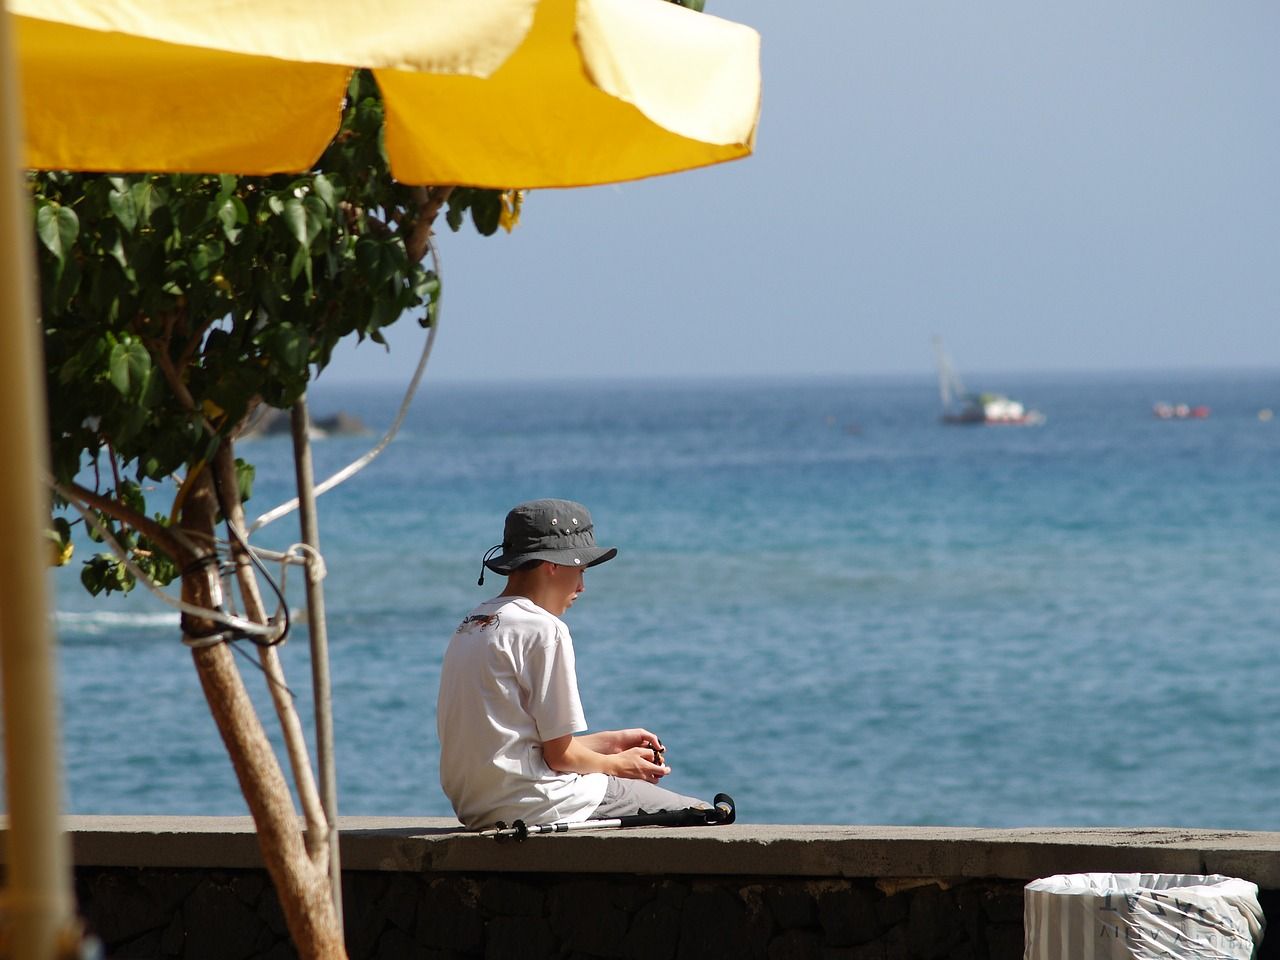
x,y
1269,949
875,950
219,926
796,945
792,906
120,909
934,925
891,911
449,921
271,913
571,897
395,944
145,946
363,911
970,905
281,951
585,919
266,940
518,938
759,916
848,917
248,887
404,894
894,945
1003,904
175,937
654,933
963,951
1005,941
510,898
630,895
715,924
675,892
170,888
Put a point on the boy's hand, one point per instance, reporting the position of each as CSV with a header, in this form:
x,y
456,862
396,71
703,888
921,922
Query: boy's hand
x,y
638,764
619,740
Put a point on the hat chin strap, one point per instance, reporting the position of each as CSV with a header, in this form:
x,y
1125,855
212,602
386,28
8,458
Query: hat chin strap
x,y
488,555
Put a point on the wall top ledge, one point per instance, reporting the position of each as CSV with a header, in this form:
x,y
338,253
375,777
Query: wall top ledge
x,y
409,844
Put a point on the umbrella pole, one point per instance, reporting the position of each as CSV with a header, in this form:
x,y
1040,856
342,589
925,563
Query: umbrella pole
x,y
38,895
319,632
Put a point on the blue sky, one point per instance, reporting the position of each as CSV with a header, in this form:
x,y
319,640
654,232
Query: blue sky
x,y
1092,186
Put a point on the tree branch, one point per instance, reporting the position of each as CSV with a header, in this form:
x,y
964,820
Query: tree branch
x,y
194,341
157,533
430,200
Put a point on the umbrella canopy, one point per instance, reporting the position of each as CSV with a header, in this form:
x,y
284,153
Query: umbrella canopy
x,y
504,93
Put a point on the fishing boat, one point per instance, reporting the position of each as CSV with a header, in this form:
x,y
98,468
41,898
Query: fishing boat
x,y
1179,411
959,406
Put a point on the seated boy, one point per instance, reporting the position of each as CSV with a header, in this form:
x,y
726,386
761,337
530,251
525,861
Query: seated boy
x,y
509,717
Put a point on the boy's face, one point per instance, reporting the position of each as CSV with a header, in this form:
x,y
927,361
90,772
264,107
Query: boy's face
x,y
566,584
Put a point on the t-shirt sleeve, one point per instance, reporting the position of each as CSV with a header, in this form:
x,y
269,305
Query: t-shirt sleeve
x,y
552,676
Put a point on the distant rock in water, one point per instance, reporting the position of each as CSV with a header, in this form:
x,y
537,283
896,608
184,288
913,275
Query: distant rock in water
x,y
271,422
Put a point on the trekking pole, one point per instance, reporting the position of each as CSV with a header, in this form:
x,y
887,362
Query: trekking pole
x,y
723,812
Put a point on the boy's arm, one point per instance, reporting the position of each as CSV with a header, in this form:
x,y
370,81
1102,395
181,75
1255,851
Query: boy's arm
x,y
570,754
615,741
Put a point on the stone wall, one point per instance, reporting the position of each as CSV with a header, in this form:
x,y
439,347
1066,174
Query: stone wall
x,y
194,888
233,915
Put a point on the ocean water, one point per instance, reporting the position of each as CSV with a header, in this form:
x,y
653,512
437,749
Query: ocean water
x,y
827,604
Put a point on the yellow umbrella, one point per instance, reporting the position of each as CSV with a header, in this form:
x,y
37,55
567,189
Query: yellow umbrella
x,y
498,93
505,93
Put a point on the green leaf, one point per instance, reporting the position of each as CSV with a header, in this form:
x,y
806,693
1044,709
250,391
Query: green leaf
x,y
245,474
317,217
129,367
426,287
57,226
200,259
60,546
289,346
117,253
143,195
83,362
295,218
232,215
103,573
324,190
67,284
131,495
124,207
369,258
301,261
486,211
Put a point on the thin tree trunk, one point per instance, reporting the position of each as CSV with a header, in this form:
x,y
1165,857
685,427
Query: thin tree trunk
x,y
295,741
303,890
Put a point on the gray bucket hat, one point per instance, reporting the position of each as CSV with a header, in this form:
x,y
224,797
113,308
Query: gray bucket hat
x,y
555,530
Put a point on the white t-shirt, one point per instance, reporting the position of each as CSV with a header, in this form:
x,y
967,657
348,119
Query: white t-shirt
x,y
508,683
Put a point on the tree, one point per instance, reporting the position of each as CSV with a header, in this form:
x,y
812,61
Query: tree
x,y
172,308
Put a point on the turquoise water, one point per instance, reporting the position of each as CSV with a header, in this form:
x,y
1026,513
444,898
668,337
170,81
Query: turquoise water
x,y
825,602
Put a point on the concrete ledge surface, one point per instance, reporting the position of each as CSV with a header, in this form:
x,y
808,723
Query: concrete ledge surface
x,y
407,844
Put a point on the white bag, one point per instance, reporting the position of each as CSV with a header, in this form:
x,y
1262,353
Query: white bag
x,y
1141,916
